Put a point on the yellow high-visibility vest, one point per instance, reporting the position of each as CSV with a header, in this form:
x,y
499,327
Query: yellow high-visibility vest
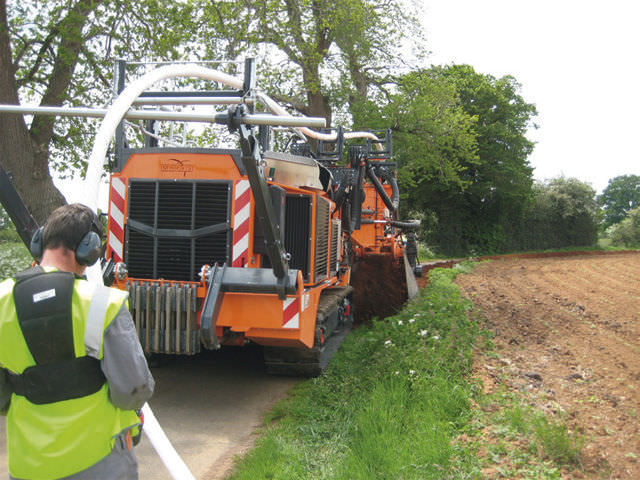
x,y
55,440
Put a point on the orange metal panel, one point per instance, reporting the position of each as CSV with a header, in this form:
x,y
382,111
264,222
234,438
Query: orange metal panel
x,y
181,165
263,316
243,310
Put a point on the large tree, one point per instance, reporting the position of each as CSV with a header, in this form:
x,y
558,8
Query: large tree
x,y
497,186
433,137
319,54
621,195
323,56
460,139
60,52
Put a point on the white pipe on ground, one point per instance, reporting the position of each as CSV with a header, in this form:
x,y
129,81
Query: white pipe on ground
x,y
172,461
161,444
176,466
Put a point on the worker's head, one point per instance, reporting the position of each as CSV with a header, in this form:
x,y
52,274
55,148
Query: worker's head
x,y
74,228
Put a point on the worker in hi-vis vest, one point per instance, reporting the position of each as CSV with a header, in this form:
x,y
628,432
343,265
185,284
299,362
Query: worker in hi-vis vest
x,y
73,371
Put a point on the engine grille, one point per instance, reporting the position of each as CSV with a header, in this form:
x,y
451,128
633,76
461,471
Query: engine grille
x,y
336,235
163,239
297,232
322,239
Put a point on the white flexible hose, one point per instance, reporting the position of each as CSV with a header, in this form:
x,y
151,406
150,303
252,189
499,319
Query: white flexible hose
x,y
328,137
176,466
172,461
132,92
161,444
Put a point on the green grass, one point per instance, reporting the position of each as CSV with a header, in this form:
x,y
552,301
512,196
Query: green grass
x,y
519,441
390,405
553,440
398,402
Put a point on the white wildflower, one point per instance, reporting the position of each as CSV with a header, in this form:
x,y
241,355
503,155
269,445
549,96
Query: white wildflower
x,y
412,320
423,333
397,372
400,322
388,343
412,372
436,337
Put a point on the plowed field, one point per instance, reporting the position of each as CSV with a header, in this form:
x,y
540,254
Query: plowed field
x,y
567,334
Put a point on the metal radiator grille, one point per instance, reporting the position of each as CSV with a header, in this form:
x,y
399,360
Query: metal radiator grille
x,y
322,239
336,234
163,240
297,231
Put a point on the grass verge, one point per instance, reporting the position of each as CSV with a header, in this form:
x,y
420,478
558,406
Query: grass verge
x,y
399,402
390,405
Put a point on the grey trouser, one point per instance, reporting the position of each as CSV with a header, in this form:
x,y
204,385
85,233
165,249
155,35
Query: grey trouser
x,y
120,464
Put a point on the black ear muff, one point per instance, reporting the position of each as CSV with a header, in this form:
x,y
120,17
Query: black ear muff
x,y
36,244
89,248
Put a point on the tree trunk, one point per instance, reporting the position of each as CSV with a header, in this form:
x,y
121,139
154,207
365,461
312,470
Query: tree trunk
x,y
25,152
319,105
20,156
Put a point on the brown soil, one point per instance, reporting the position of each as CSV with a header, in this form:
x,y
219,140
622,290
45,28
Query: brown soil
x,y
567,334
379,287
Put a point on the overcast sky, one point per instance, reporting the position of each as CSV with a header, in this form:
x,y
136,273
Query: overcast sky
x,y
577,61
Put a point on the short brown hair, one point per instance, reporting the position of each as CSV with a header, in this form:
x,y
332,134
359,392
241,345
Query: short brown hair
x,y
66,226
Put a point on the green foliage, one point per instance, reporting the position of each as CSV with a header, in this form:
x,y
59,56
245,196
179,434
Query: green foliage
x,y
621,195
627,232
14,256
460,139
5,221
43,35
432,136
392,401
8,231
479,218
562,213
319,53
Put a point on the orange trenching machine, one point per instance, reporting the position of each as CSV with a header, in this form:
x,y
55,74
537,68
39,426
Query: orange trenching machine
x,y
226,246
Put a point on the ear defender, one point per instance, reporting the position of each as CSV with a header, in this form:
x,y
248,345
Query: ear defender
x,y
36,244
89,249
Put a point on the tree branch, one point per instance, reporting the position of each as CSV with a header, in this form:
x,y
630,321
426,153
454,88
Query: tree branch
x,y
66,58
46,44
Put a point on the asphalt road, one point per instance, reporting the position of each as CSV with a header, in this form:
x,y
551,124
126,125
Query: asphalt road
x,y
209,405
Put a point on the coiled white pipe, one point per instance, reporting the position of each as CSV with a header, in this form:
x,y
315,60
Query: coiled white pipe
x,y
124,101
176,466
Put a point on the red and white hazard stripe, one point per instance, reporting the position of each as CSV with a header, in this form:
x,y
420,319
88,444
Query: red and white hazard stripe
x,y
291,313
292,309
241,214
116,218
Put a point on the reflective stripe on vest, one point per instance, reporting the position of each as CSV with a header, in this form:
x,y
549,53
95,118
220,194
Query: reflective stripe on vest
x,y
54,441
95,321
